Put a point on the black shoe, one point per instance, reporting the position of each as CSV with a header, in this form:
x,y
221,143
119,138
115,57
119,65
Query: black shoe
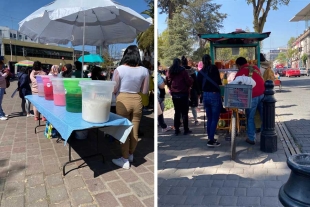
x,y
176,132
187,132
213,143
250,141
258,130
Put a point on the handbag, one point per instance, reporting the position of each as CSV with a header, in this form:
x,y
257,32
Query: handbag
x,y
205,78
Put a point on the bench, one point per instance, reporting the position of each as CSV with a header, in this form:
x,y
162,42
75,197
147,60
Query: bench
x,y
278,83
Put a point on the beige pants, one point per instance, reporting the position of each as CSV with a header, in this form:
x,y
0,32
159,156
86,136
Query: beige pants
x,y
129,105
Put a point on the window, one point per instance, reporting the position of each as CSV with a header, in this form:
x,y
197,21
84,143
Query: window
x,y
0,33
20,37
26,37
11,35
14,35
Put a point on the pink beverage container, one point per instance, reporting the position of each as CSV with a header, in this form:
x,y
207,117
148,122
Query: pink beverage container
x,y
40,85
58,91
48,87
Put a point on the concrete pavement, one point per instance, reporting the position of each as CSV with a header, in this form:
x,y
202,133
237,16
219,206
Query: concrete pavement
x,y
192,174
31,167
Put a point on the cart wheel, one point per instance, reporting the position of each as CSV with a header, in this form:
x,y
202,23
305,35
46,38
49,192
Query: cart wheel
x,y
233,135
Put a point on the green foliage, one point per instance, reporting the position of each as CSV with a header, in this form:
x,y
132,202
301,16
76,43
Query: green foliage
x,y
304,59
178,42
282,58
145,39
168,104
197,55
290,42
226,54
162,43
170,6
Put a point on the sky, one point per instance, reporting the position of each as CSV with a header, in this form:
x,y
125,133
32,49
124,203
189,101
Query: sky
x,y
12,12
240,16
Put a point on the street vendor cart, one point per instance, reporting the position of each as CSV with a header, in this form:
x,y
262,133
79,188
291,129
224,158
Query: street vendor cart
x,y
236,96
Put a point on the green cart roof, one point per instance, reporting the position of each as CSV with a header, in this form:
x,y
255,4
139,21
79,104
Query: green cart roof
x,y
235,37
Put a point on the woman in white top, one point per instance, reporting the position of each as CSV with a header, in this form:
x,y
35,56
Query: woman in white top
x,y
131,78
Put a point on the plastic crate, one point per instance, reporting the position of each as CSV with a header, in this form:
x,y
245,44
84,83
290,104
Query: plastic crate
x,y
238,96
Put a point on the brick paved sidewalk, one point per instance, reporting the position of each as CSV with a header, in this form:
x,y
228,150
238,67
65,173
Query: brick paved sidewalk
x,y
31,167
192,174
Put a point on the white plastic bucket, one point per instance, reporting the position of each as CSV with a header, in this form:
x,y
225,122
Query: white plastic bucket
x,y
96,100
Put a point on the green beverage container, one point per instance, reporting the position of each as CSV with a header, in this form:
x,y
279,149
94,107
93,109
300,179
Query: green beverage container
x,y
73,94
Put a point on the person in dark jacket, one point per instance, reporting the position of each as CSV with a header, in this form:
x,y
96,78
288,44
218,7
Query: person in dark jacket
x,y
24,89
211,96
179,83
96,74
194,90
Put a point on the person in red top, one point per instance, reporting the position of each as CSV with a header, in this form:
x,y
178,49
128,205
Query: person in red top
x,y
257,96
179,83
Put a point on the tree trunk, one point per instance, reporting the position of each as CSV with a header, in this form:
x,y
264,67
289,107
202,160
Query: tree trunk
x,y
259,21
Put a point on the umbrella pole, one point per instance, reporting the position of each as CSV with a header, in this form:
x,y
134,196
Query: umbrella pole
x,y
83,46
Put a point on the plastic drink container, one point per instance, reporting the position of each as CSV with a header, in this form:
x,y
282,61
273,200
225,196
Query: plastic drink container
x,y
96,100
59,91
48,87
40,85
73,94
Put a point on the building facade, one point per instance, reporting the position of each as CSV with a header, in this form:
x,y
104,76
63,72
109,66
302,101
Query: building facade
x,y
15,47
302,46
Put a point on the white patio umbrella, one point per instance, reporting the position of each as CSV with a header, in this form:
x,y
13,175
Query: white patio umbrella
x,y
84,22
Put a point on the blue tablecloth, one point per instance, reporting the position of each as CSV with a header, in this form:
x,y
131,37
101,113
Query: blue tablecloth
x,y
66,122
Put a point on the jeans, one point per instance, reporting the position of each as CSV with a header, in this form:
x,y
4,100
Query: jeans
x,y
181,107
212,105
1,98
250,113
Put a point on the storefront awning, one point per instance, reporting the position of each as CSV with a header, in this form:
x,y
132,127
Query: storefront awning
x,y
303,15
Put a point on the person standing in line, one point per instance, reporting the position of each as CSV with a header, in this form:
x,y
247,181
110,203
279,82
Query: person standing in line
x,y
54,70
37,70
3,74
257,96
179,83
78,70
131,78
194,92
209,80
67,71
24,89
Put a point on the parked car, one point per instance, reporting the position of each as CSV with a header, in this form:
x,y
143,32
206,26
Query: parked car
x,y
303,71
292,72
308,72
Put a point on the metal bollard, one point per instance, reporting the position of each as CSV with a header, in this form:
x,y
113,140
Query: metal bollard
x,y
268,139
296,191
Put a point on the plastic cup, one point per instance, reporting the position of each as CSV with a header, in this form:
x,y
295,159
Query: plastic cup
x,y
40,85
96,100
73,94
48,87
59,91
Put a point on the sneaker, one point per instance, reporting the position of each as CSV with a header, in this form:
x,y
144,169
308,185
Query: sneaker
x,y
213,143
121,162
187,132
177,132
30,115
3,118
250,141
130,158
36,118
6,115
43,119
197,123
166,129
